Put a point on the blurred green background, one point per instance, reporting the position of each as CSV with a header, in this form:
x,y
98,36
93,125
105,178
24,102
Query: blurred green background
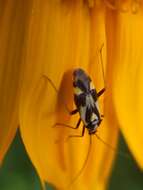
x,y
17,172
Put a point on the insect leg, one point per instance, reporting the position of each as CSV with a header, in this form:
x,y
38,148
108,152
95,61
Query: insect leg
x,y
83,130
56,90
74,112
100,92
101,60
65,125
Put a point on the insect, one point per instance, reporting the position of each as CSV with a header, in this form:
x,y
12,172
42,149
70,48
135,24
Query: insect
x,y
86,101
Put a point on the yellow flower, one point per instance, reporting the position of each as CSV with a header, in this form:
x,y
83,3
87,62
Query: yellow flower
x,y
125,70
59,36
12,22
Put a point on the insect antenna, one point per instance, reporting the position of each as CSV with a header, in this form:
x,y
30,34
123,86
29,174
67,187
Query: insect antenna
x,y
102,66
84,164
113,148
56,90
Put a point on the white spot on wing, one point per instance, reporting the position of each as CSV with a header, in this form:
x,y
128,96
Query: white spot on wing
x,y
83,113
93,117
77,91
89,103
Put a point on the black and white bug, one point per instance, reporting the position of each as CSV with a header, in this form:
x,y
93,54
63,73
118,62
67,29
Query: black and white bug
x,y
86,101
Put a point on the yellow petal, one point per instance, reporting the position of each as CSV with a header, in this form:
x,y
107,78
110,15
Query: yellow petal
x,y
126,70
59,40
11,37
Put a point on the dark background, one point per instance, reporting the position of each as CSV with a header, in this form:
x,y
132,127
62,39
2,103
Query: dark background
x,y
17,172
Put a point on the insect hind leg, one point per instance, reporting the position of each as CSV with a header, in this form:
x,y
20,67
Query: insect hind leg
x,y
74,112
68,126
82,134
